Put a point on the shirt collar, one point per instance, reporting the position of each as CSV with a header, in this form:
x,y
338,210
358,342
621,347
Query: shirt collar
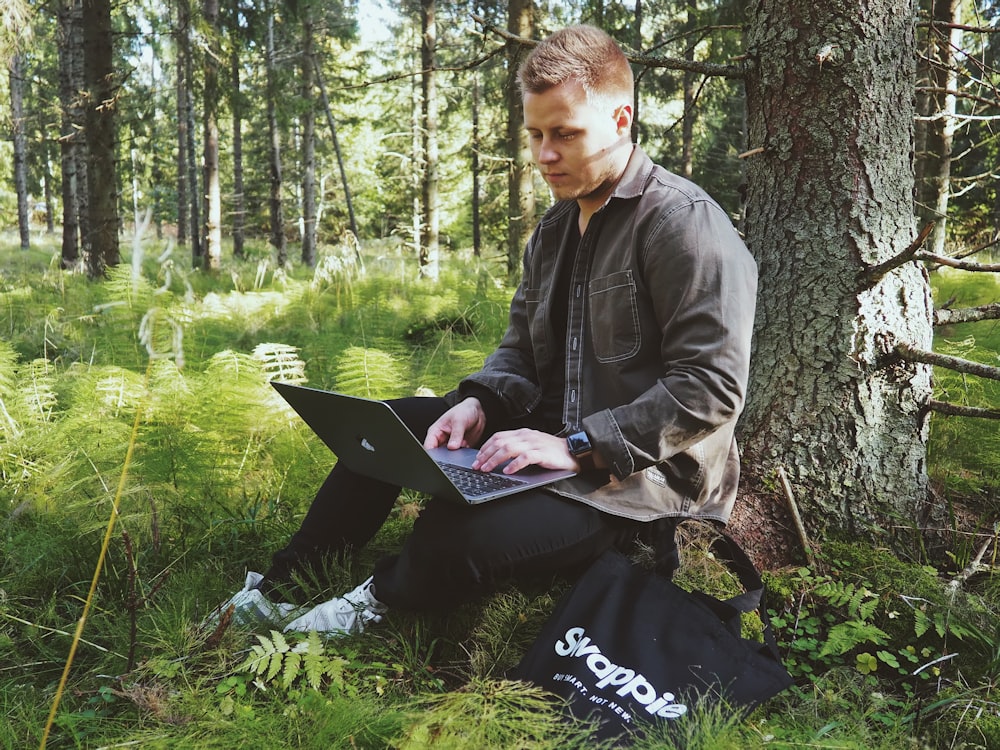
x,y
635,177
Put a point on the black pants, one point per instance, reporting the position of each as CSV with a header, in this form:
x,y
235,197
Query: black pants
x,y
455,553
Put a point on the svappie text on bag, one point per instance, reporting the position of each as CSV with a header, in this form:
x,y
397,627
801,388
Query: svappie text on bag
x,y
629,683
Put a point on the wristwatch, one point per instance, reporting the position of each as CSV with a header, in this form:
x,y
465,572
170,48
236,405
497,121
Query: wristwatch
x,y
581,449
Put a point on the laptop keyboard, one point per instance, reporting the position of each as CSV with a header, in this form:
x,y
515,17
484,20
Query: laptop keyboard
x,y
476,483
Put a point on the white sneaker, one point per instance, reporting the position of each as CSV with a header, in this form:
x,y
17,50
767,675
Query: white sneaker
x,y
252,608
344,616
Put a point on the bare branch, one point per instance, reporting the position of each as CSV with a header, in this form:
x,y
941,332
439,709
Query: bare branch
x,y
976,565
734,70
870,275
960,26
964,265
958,95
796,517
980,247
912,354
943,317
956,410
468,65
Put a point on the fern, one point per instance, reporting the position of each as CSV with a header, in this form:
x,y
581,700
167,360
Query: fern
x,y
273,658
38,391
846,636
370,373
280,362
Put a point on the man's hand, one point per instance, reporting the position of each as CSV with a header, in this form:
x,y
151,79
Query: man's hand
x,y
462,426
523,448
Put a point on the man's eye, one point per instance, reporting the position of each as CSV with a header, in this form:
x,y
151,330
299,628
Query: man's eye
x,y
567,136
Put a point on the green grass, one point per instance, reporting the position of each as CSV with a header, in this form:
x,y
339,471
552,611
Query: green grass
x,y
965,453
221,474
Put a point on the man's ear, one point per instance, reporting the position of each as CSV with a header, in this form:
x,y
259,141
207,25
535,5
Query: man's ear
x,y
623,118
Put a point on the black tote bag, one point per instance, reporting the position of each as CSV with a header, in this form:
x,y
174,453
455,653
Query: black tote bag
x,y
629,647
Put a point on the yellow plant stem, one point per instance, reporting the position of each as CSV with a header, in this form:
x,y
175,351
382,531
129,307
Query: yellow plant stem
x,y
77,636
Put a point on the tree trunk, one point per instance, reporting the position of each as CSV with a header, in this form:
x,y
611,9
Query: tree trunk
x,y
352,219
193,228
690,81
213,189
16,70
477,234
47,191
938,120
71,145
80,123
520,190
70,252
308,140
274,156
637,44
416,216
236,105
101,118
429,257
828,196
182,52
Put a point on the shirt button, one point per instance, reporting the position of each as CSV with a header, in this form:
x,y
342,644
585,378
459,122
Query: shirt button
x,y
572,396
576,342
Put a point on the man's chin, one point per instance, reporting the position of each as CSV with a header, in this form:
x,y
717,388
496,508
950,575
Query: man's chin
x,y
561,193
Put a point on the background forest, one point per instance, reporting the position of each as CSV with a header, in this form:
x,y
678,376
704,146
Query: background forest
x,y
203,197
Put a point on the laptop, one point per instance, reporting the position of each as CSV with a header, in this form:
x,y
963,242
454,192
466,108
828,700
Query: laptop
x,y
370,439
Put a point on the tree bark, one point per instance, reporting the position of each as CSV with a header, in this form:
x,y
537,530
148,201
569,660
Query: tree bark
x,y
520,186
352,219
236,106
828,196
274,154
430,247
477,232
937,120
308,140
181,53
212,232
16,71
690,81
68,141
101,109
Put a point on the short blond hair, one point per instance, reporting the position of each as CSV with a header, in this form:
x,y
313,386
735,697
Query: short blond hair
x,y
581,52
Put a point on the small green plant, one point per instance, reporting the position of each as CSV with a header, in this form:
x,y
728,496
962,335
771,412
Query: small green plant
x,y
278,660
833,621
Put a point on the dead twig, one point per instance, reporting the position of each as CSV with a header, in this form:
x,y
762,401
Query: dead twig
x,y
912,354
958,410
944,316
964,265
871,275
976,563
796,518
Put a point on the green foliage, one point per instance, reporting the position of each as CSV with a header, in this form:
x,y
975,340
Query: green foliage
x,y
221,474
852,611
965,453
491,714
274,659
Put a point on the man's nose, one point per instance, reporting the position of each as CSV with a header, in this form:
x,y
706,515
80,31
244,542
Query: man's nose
x,y
546,153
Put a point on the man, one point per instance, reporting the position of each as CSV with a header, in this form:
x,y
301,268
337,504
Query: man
x,y
625,359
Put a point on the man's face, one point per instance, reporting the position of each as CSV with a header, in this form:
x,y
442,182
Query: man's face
x,y
580,149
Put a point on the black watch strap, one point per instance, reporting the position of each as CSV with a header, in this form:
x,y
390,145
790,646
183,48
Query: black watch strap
x,y
581,449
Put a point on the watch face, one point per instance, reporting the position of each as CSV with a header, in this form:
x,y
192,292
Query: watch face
x,y
579,443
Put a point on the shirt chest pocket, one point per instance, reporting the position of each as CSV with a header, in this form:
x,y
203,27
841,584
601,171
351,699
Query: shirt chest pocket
x,y
614,317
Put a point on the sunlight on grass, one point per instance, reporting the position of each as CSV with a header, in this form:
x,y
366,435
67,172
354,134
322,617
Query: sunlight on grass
x,y
223,472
